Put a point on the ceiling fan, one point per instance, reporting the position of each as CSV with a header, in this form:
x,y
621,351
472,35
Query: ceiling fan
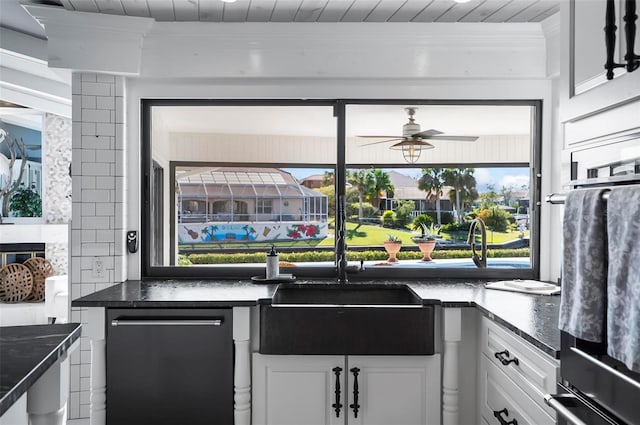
x,y
413,141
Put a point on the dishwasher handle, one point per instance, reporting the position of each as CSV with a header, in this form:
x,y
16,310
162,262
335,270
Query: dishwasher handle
x,y
167,322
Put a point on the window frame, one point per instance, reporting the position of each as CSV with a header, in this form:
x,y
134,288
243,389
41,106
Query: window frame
x,y
150,271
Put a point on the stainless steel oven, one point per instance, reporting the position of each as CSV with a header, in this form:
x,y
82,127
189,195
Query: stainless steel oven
x,y
595,388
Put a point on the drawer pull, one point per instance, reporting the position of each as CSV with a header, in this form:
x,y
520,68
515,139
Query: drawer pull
x,y
503,357
337,405
503,421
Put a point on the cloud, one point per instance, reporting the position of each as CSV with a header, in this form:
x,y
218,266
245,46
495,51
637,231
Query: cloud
x,y
483,176
515,182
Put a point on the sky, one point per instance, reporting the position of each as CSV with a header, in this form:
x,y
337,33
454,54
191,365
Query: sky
x,y
498,177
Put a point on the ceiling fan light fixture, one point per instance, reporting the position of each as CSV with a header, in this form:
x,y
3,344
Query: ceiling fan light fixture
x,y
411,149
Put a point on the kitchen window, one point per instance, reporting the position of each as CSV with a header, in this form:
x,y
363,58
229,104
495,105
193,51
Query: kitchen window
x,y
246,175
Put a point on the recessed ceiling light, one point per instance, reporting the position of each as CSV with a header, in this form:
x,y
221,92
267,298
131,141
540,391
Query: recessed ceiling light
x,y
228,1
462,1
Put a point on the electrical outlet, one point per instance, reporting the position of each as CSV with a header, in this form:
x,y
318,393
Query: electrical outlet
x,y
98,268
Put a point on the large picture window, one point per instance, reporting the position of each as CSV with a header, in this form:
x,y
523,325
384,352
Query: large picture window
x,y
242,176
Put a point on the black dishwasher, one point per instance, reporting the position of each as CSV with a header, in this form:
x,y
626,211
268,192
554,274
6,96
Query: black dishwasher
x,y
169,366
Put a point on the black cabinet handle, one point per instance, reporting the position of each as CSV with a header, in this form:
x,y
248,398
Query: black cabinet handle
x,y
610,39
503,421
337,405
503,357
355,406
630,17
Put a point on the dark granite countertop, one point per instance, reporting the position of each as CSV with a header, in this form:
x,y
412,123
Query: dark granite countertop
x,y
26,352
533,317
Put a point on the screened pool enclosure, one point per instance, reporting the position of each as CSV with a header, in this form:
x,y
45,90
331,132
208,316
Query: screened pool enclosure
x,y
228,204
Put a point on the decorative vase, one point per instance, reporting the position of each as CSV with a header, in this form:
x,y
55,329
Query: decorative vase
x,y
392,248
427,247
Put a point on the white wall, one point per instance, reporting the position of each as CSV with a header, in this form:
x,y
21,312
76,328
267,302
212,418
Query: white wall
x,y
26,79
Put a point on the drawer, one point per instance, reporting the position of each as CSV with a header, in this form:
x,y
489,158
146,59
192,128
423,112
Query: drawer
x,y
535,372
498,392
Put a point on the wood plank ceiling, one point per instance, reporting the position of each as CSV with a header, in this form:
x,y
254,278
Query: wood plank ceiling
x,y
515,11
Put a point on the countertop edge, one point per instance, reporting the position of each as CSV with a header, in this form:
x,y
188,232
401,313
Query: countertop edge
x,y
548,347
551,351
21,387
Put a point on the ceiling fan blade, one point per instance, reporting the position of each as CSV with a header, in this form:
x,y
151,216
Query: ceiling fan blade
x,y
382,141
380,137
453,138
427,133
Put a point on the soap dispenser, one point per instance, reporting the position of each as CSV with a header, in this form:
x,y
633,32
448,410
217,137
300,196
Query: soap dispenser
x,y
273,265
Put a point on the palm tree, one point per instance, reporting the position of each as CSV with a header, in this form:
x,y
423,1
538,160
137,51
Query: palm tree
x,y
328,178
467,197
364,181
432,182
382,185
461,180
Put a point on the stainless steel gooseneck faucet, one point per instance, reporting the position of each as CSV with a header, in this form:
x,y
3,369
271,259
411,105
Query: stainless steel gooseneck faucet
x,y
471,240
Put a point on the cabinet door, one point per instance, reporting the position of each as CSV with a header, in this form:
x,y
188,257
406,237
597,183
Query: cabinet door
x,y
399,390
298,390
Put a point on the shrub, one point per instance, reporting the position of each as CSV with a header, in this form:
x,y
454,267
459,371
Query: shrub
x,y
368,210
497,220
403,212
455,227
481,214
388,218
183,260
420,222
317,256
446,217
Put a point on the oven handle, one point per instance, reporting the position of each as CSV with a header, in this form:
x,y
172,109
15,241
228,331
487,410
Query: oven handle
x,y
552,400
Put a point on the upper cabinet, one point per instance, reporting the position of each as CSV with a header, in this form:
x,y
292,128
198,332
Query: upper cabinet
x,y
586,89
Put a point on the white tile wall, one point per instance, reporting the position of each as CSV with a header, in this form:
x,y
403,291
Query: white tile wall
x,y
98,190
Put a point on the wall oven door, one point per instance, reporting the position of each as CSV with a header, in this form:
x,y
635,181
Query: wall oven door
x,y
575,409
594,388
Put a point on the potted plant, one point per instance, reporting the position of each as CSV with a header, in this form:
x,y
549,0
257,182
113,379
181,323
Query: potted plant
x,y
427,240
392,245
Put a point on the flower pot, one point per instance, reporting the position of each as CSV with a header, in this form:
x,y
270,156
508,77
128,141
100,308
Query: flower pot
x,y
392,248
426,247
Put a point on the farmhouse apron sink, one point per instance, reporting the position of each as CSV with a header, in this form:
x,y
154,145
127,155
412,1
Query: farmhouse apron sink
x,y
365,319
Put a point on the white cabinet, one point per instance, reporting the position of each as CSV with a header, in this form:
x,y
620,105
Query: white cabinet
x,y
514,377
363,390
400,390
585,87
298,390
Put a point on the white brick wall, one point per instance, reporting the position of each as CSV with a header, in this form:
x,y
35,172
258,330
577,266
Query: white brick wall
x,y
99,193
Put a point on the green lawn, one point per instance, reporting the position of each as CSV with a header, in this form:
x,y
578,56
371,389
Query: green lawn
x,y
366,234
361,235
